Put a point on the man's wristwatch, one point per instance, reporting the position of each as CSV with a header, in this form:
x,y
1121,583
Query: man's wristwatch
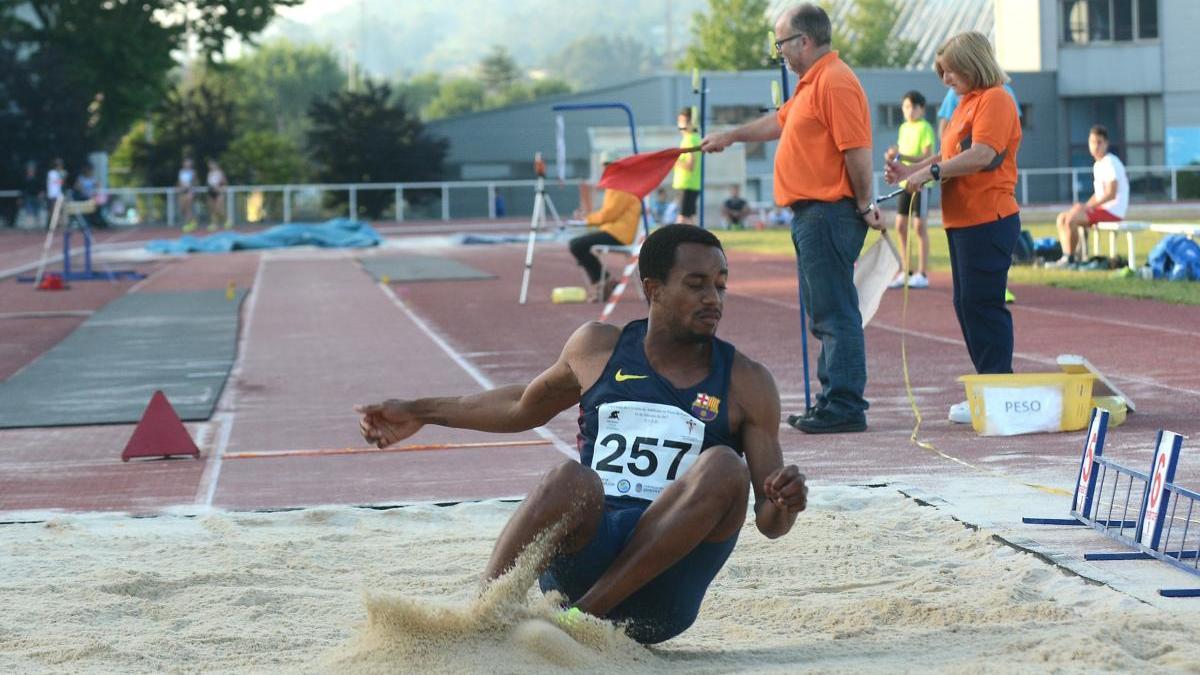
x,y
935,170
869,208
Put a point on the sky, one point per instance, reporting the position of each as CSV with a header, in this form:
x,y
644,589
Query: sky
x,y
313,9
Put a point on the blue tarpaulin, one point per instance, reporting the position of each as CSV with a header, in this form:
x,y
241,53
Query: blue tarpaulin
x,y
337,233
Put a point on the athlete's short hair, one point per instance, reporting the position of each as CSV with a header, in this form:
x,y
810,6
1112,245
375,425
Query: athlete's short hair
x,y
1099,130
658,251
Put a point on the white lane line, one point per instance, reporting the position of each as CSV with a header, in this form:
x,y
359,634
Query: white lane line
x,y
227,404
1116,322
958,342
1053,312
476,374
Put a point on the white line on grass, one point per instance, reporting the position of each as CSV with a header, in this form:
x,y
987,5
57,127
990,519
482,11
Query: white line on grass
x,y
1053,312
483,380
950,341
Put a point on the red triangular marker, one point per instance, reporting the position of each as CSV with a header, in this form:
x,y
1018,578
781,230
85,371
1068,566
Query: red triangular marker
x,y
160,433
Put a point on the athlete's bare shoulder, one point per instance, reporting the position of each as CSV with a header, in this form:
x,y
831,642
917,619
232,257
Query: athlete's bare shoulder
x,y
588,350
752,387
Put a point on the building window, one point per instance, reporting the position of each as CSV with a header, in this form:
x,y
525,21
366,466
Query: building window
x,y
1026,115
1135,134
891,115
734,114
1086,21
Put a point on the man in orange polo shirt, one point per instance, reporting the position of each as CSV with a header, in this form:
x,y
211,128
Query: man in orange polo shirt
x,y
823,172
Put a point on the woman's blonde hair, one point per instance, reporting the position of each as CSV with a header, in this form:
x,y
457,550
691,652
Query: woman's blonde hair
x,y
970,55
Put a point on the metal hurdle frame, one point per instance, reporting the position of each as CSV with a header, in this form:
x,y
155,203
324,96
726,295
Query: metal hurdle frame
x,y
74,212
1153,498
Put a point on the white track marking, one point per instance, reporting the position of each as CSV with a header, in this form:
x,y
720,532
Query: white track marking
x,y
958,342
227,404
476,374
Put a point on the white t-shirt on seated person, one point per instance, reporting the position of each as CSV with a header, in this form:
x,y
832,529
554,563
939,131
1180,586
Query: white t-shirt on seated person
x,y
1105,171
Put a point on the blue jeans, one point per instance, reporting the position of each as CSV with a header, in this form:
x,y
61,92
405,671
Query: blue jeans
x,y
828,237
979,260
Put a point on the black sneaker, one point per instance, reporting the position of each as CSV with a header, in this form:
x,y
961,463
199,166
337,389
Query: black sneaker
x,y
824,422
794,420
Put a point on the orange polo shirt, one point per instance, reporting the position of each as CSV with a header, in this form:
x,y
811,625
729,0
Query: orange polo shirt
x,y
826,116
985,116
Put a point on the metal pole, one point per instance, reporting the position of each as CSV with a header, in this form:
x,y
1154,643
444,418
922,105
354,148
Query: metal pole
x,y
353,203
1024,188
703,98
783,77
632,135
230,203
399,204
1174,184
171,208
445,201
491,201
287,203
1074,186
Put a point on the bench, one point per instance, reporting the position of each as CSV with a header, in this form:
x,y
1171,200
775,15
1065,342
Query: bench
x,y
1132,227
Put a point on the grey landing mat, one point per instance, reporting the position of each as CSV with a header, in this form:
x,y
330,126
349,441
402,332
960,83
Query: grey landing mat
x,y
420,268
106,370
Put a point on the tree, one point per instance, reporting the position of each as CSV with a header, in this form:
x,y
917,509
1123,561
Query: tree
x,y
367,136
274,86
418,92
75,74
731,36
198,121
593,61
458,96
498,71
866,40
264,158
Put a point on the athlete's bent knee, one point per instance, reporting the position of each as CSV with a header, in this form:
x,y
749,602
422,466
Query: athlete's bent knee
x,y
719,464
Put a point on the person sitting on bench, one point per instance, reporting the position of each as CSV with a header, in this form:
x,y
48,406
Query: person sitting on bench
x,y
1108,203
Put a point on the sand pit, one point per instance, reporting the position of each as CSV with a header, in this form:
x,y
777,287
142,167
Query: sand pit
x,y
869,581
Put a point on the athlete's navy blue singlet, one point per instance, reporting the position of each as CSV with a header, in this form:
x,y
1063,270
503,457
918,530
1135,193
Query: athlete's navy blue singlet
x,y
640,433
613,417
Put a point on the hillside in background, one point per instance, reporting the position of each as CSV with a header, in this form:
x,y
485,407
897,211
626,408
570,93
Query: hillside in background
x,y
400,38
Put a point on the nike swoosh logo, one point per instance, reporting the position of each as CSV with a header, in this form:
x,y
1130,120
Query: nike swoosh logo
x,y
621,377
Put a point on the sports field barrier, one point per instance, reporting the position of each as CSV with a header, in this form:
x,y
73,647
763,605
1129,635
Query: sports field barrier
x,y
1147,512
448,200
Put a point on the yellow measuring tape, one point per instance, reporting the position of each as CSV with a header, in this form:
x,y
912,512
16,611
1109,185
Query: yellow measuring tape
x,y
912,399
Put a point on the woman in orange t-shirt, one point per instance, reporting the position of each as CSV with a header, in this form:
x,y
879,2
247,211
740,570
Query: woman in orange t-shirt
x,y
978,171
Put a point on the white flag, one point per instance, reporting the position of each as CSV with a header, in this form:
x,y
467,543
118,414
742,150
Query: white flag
x,y
876,268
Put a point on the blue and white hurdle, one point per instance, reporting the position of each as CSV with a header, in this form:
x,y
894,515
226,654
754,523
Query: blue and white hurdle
x,y
1139,510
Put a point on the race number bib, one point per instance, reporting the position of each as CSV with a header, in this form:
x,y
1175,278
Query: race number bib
x,y
641,448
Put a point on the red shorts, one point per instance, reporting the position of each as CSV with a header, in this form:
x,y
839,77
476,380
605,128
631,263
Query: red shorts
x,y
1095,214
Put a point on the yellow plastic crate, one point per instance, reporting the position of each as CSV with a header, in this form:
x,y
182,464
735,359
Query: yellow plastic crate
x,y
1076,392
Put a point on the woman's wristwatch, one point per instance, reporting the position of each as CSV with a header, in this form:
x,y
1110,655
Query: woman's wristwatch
x,y
935,170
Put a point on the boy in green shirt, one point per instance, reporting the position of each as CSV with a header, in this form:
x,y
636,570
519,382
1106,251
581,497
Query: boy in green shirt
x,y
687,169
916,142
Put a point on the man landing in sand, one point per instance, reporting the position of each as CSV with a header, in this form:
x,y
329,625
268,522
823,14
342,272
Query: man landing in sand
x,y
675,427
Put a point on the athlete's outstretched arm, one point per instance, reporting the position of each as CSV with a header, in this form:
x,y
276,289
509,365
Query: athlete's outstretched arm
x,y
779,491
506,409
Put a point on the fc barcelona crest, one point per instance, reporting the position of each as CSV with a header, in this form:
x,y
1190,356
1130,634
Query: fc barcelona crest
x,y
705,407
